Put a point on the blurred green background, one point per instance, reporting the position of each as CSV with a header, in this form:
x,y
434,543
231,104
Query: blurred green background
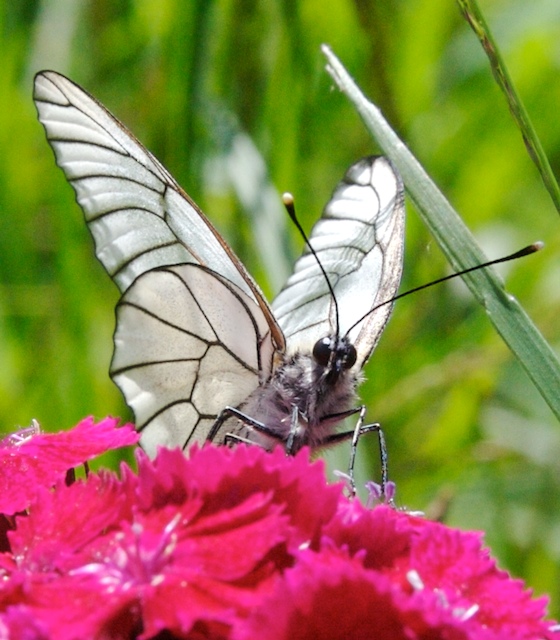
x,y
233,98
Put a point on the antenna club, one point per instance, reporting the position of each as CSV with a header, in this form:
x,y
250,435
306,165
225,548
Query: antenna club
x,y
526,251
288,199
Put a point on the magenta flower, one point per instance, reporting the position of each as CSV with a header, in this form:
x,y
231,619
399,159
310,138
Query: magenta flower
x,y
241,543
29,458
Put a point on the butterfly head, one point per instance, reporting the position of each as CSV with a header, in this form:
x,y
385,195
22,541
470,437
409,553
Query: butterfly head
x,y
335,354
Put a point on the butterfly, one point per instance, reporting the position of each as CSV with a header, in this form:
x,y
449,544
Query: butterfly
x,y
199,353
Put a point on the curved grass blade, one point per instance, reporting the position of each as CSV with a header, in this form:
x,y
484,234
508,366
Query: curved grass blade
x,y
474,17
459,246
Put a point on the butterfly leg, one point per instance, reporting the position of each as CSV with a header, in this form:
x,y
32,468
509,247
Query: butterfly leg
x,y
355,436
232,438
359,431
294,424
232,412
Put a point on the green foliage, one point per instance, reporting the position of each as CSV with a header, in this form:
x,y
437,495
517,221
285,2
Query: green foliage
x,y
217,90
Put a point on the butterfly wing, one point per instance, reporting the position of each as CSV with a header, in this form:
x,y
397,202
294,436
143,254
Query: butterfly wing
x,y
359,240
141,222
188,343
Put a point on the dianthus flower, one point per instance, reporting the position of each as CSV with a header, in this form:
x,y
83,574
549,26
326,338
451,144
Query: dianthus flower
x,y
244,544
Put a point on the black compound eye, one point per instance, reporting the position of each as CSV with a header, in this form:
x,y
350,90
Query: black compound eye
x,y
351,357
322,351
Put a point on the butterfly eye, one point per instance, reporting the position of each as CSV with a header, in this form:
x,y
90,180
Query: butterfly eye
x,y
322,351
351,357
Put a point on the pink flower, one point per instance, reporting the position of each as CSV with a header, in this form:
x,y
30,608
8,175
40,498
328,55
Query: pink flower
x,y
29,458
241,543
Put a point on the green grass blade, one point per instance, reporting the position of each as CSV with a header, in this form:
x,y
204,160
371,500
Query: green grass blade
x,y
474,17
459,246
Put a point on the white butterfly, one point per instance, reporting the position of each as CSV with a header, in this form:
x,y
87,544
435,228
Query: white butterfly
x,y
194,333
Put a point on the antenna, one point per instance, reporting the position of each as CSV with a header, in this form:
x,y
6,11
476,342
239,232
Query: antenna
x,y
288,201
528,250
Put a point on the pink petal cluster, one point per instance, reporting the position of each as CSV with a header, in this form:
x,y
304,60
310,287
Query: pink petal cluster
x,y
29,458
244,544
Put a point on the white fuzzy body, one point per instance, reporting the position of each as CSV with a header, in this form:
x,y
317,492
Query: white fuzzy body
x,y
300,382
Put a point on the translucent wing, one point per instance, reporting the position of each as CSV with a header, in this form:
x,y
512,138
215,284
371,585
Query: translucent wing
x,y
188,343
141,220
359,241
194,333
